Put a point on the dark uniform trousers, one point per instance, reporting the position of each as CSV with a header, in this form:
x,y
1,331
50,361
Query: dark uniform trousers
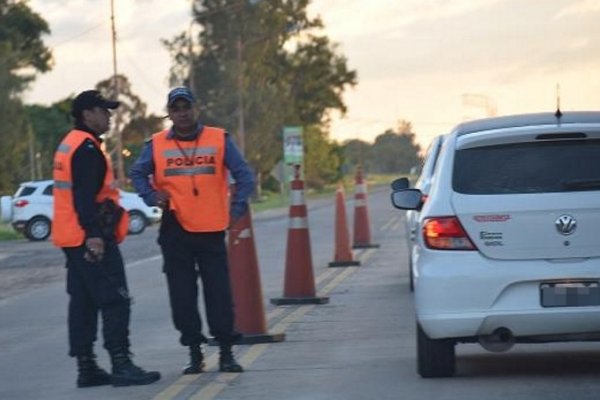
x,y
97,288
187,255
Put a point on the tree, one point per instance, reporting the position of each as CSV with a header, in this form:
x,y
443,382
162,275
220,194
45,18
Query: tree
x,y
14,136
131,107
356,152
49,125
323,159
133,123
255,74
135,133
22,55
22,49
395,151
318,78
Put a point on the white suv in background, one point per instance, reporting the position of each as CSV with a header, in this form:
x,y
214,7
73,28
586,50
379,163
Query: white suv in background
x,y
509,249
423,183
29,211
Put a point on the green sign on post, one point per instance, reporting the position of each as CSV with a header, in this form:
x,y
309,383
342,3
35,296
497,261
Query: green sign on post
x,y
293,150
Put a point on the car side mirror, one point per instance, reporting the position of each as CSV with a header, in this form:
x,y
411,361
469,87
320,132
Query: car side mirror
x,y
400,183
407,199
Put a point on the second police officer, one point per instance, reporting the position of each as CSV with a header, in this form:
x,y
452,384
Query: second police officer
x,y
184,170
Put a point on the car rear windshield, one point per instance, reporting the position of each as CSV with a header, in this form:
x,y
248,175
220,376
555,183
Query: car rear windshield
x,y
48,190
533,167
25,191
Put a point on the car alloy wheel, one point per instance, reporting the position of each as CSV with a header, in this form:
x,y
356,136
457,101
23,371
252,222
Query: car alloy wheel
x,y
38,228
137,222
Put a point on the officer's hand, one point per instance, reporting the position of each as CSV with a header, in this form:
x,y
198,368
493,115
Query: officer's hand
x,y
233,221
162,199
94,249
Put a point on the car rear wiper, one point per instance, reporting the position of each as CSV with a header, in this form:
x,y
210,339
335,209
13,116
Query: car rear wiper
x,y
582,184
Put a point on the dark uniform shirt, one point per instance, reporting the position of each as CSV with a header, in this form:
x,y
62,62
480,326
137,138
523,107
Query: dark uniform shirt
x,y
88,167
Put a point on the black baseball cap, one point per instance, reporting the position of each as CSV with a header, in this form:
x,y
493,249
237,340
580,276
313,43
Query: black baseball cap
x,y
180,93
90,99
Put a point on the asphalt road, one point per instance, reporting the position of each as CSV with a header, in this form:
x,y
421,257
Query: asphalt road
x,y
25,265
361,345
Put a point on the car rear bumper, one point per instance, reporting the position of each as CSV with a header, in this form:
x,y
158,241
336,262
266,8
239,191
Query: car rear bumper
x,y
527,323
19,226
153,219
466,295
154,216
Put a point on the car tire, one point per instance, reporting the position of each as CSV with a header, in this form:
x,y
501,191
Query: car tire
x,y
137,222
38,229
435,357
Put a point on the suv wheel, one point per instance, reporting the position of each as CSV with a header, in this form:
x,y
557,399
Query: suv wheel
x,y
137,222
38,228
435,357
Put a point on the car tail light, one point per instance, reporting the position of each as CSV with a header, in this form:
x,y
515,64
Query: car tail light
x,y
446,233
21,203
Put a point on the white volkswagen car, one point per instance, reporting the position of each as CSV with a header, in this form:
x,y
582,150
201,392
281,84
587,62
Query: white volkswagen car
x,y
423,183
30,211
509,249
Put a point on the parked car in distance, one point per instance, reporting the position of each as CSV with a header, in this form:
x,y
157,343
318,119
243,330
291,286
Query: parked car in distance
x,y
507,251
30,210
423,183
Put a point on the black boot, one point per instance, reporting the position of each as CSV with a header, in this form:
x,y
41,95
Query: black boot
x,y
126,373
90,374
226,361
196,364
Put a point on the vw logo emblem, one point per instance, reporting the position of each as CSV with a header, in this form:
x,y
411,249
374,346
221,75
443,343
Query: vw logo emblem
x,y
565,224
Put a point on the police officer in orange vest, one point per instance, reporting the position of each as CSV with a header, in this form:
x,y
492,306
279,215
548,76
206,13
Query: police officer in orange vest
x,y
87,224
185,170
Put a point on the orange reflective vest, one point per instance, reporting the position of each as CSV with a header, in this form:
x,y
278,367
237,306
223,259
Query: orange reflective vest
x,y
66,231
193,173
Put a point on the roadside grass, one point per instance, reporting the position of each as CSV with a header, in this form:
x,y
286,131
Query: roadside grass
x,y
269,200
8,233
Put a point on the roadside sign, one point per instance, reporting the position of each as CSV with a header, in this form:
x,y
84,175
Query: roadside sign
x,y
293,149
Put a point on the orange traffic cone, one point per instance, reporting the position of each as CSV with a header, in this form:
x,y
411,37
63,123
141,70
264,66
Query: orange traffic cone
x,y
362,228
245,285
299,284
343,254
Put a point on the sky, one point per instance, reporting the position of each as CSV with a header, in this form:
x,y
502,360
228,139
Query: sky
x,y
434,63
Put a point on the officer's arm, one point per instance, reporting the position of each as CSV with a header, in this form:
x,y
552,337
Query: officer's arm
x,y
88,168
140,174
241,174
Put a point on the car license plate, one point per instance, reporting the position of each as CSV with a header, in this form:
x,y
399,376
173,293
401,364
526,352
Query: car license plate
x,y
570,294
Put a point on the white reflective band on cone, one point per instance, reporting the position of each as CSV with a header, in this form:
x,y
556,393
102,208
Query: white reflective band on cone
x,y
297,198
360,188
360,203
245,234
298,223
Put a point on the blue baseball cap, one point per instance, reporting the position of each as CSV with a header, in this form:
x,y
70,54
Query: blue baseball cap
x,y
180,93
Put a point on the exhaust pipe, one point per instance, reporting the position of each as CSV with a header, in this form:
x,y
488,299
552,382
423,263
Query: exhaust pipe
x,y
500,340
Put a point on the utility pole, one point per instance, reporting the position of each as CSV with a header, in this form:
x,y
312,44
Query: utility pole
x,y
32,159
239,8
240,96
480,101
191,56
117,131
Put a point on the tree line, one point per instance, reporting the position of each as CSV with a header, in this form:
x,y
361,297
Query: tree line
x,y
255,66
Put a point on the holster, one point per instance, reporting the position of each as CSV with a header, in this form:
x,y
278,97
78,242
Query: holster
x,y
108,217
